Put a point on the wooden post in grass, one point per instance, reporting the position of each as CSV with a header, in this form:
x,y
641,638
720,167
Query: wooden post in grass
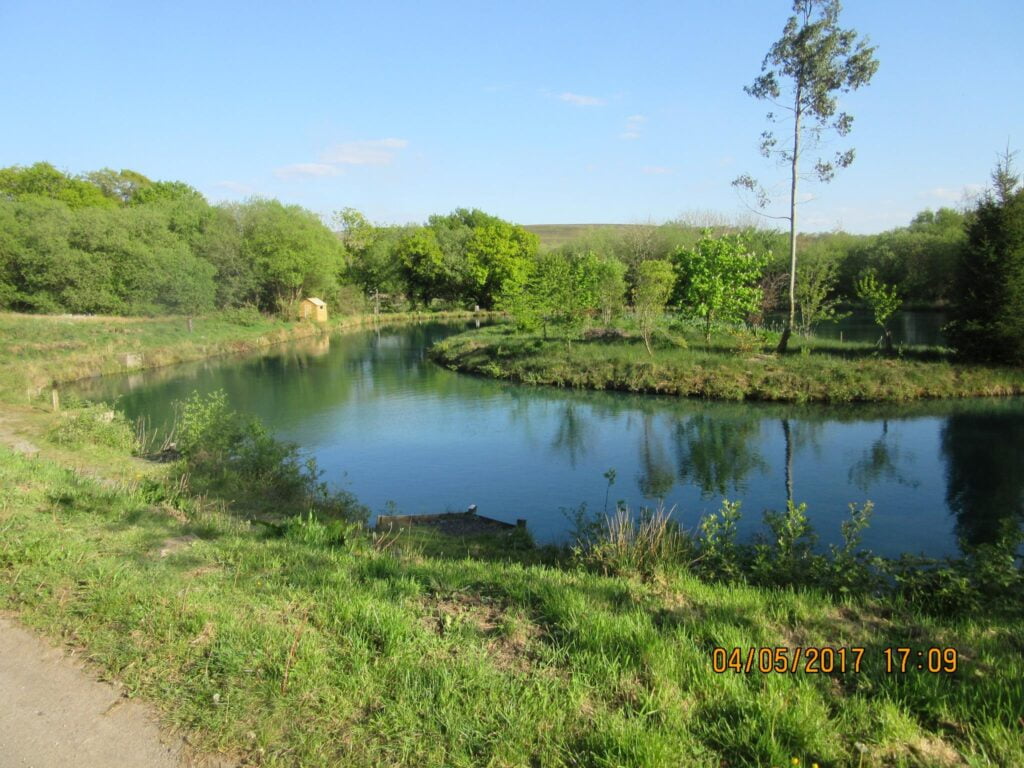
x,y
190,325
55,399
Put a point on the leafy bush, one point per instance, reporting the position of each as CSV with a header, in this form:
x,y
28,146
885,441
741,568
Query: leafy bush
x,y
98,424
787,557
988,577
247,316
719,554
227,454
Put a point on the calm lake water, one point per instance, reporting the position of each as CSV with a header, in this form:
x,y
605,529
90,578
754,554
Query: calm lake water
x,y
388,425
908,327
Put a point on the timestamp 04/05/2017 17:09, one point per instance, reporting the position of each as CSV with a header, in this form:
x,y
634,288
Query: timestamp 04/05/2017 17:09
x,y
830,660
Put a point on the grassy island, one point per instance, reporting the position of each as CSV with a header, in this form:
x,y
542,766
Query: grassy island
x,y
736,365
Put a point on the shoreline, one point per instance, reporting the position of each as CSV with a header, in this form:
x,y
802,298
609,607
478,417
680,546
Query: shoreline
x,y
138,354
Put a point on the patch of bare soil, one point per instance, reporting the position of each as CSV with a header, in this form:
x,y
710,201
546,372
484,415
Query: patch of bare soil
x,y
510,637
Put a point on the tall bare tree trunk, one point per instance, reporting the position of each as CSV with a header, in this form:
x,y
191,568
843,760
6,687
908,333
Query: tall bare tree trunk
x,y
794,175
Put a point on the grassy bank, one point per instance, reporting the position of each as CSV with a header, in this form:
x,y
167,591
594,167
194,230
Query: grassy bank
x,y
734,366
320,645
37,351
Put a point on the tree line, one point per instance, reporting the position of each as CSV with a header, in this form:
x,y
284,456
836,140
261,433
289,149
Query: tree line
x,y
116,242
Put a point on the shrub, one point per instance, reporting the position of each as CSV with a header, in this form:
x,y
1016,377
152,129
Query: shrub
x,y
98,424
247,316
719,556
227,454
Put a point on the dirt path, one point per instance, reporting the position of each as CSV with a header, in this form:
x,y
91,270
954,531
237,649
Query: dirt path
x,y
54,714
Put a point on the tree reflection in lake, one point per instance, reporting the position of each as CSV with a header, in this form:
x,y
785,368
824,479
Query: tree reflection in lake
x,y
656,476
984,473
882,461
717,453
571,434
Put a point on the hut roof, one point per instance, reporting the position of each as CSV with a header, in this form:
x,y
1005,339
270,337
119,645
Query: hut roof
x,y
314,300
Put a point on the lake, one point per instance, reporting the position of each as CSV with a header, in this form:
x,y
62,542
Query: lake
x,y
908,327
400,432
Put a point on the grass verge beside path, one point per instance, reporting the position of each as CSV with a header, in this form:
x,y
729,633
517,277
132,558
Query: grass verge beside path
x,y
319,647
733,367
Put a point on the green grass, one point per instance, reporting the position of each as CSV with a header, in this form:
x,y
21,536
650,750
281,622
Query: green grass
x,y
317,648
556,235
734,366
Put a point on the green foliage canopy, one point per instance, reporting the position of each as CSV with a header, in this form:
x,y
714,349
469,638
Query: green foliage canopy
x,y
719,279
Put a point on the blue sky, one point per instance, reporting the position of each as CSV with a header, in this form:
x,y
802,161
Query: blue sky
x,y
552,112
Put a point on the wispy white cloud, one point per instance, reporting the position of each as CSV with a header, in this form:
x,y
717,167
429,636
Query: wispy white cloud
x,y
332,161
656,170
307,170
632,130
581,101
371,152
235,187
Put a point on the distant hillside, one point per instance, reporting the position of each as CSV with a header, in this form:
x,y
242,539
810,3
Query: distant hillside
x,y
554,235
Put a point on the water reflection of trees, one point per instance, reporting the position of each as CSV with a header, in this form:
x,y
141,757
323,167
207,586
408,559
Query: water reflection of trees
x,y
715,453
656,475
881,461
571,433
984,472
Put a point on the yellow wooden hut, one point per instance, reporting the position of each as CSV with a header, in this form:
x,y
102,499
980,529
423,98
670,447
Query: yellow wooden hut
x,y
313,309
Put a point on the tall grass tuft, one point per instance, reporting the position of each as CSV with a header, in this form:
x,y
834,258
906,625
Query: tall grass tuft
x,y
626,543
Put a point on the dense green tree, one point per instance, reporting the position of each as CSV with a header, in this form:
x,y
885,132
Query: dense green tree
x,y
816,60
498,253
988,316
291,251
558,288
42,180
219,242
120,186
609,286
423,264
719,280
36,255
374,264
480,254
117,242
